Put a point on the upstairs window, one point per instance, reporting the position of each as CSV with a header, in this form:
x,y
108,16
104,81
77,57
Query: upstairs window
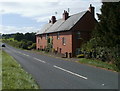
x,y
63,41
58,35
78,35
47,35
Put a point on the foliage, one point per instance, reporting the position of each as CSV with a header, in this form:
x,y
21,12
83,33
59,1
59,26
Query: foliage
x,y
80,56
20,36
49,44
98,63
105,42
33,46
25,44
13,76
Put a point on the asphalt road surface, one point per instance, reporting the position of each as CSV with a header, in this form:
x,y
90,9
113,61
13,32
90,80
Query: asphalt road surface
x,y
53,73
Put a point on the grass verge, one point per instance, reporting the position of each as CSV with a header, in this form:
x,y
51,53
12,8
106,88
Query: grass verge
x,y
98,63
0,69
13,76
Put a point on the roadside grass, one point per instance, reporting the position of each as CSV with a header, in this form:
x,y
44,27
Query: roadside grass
x,y
13,76
98,63
0,69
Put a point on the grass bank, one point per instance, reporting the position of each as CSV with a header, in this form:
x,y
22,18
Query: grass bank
x,y
0,69
98,63
13,76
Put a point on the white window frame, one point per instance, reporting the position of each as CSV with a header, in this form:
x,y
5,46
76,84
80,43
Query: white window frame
x,y
63,41
58,34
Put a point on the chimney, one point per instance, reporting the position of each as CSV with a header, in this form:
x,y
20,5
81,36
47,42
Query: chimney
x,y
53,19
49,21
91,9
65,15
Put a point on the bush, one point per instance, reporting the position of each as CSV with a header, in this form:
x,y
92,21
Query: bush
x,y
80,56
29,43
33,46
103,53
24,45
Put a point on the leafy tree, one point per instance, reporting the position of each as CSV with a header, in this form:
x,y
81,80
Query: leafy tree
x,y
105,42
30,37
108,27
19,36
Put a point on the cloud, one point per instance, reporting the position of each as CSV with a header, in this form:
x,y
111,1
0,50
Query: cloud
x,y
42,10
13,29
46,8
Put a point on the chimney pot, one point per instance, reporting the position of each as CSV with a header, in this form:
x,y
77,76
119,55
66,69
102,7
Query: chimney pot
x,y
49,21
91,9
53,19
65,15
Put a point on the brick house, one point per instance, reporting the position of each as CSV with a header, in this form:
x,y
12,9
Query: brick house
x,y
67,34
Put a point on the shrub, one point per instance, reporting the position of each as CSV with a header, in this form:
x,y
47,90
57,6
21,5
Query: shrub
x,y
33,46
80,56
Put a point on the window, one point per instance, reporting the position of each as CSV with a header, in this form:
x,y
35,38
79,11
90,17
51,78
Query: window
x,y
38,41
46,36
58,35
78,35
41,36
63,41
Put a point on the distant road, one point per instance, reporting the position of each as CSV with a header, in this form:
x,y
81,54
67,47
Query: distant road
x,y
53,73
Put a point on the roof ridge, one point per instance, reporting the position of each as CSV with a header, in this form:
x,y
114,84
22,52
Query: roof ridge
x,y
79,12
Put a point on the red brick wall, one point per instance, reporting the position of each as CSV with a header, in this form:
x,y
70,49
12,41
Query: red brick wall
x,y
57,43
42,41
85,26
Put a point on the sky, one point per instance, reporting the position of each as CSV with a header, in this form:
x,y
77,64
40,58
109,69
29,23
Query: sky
x,y
30,15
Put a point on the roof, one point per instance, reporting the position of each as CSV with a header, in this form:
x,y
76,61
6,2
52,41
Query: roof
x,y
62,25
44,28
55,26
71,21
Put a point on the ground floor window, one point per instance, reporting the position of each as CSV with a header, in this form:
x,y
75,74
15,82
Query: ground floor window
x,y
38,41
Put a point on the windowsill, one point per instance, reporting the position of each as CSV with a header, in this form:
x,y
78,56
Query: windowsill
x,y
64,44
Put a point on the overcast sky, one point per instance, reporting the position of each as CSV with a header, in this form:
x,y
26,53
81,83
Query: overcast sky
x,y
31,15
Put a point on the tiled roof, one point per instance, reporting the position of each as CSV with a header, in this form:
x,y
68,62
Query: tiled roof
x,y
55,26
71,21
62,25
44,28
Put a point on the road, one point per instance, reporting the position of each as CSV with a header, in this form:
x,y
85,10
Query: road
x,y
54,73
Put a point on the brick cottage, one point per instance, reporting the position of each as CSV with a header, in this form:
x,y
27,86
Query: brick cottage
x,y
66,35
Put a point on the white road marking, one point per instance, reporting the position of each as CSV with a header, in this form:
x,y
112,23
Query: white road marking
x,y
103,84
70,72
39,60
26,55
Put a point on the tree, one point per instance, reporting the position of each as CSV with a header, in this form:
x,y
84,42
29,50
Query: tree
x,y
30,37
19,36
105,42
108,27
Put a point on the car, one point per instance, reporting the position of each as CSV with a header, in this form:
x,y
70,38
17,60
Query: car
x,y
3,45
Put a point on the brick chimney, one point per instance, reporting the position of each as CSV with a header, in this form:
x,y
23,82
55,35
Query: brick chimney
x,y
49,21
91,9
65,15
53,19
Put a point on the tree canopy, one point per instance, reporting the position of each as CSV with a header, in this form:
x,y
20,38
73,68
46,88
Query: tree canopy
x,y
107,30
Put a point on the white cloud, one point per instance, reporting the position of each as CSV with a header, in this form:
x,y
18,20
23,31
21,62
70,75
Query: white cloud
x,y
13,29
43,8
